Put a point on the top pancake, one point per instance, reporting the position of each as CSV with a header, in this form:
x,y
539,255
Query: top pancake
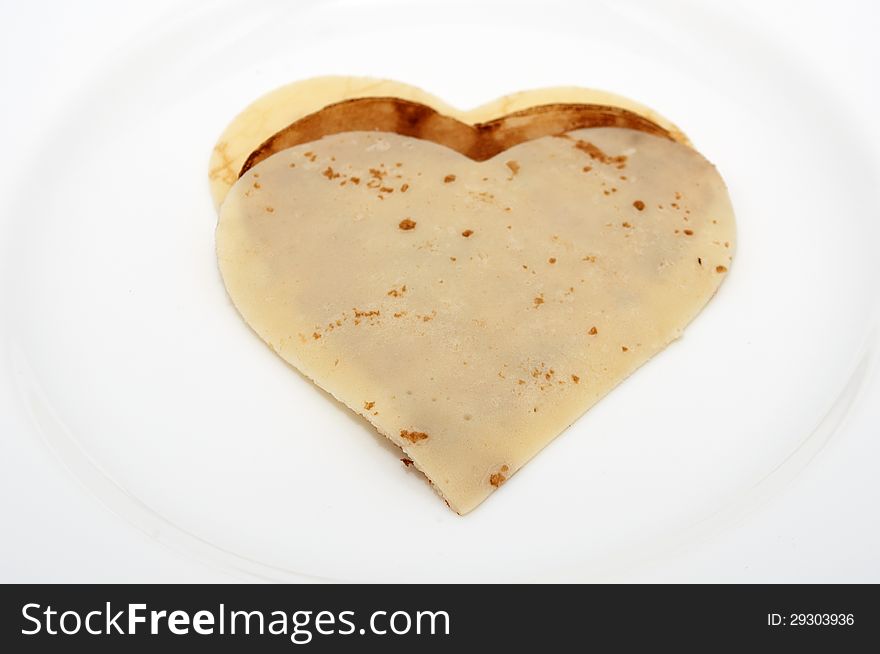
x,y
472,310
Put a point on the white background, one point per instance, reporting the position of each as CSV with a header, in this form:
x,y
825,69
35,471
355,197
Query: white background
x,y
823,526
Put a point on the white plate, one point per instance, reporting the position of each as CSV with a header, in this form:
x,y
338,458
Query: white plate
x,y
140,374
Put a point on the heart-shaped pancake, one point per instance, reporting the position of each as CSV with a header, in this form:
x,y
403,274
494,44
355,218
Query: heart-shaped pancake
x,y
472,310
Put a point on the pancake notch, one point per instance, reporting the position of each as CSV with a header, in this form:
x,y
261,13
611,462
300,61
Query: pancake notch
x,y
478,142
472,310
279,108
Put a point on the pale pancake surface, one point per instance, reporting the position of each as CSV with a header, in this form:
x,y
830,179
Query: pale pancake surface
x,y
471,311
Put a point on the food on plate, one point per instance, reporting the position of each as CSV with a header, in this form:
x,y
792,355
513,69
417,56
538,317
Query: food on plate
x,y
471,291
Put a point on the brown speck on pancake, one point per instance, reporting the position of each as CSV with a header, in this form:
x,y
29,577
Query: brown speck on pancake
x,y
413,436
598,155
498,478
406,224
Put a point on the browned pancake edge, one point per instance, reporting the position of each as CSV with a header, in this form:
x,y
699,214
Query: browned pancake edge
x,y
478,141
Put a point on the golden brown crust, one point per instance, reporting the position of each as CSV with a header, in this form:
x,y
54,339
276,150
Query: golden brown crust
x,y
478,142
